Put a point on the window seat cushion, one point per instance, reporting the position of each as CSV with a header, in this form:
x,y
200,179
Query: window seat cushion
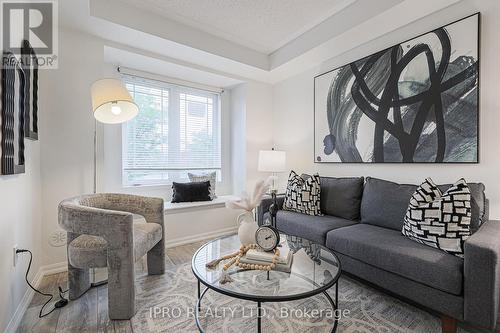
x,y
179,207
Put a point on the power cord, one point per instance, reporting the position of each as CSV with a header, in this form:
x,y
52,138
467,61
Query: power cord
x,y
59,304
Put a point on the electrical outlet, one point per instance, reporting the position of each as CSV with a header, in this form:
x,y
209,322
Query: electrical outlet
x,y
14,261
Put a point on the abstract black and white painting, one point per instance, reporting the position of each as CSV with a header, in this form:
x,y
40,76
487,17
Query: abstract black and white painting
x,y
416,102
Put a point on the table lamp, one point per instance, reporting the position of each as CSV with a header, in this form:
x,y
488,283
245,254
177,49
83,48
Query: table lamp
x,y
273,161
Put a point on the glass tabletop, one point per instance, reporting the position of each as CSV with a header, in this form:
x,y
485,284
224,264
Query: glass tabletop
x,y
314,269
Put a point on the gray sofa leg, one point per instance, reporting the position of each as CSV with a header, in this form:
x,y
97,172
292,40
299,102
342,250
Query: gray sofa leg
x,y
156,259
78,281
448,324
121,288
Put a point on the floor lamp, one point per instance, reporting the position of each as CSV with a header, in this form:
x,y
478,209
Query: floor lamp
x,y
111,104
273,161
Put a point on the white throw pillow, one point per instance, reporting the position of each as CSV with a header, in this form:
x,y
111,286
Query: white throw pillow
x,y
211,177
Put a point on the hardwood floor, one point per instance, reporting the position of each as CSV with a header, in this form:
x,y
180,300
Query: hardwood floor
x,y
90,312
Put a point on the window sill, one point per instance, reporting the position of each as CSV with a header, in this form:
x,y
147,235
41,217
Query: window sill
x,y
183,207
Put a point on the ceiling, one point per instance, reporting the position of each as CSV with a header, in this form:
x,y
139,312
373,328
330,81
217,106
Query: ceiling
x,y
262,25
240,40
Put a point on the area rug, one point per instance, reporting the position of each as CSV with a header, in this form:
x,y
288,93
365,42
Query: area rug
x,y
166,303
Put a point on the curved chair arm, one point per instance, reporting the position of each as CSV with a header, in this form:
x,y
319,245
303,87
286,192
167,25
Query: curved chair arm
x,y
109,224
150,208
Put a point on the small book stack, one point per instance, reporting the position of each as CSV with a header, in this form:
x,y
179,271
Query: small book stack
x,y
259,257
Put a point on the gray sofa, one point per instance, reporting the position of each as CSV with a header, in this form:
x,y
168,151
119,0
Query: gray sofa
x,y
362,224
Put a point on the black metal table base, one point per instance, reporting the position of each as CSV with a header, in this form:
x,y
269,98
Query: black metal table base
x,y
333,303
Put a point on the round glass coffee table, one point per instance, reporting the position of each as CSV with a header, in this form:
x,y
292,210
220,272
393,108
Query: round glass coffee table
x,y
314,270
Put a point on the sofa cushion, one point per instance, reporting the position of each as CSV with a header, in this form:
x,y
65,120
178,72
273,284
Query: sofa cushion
x,y
310,227
391,251
384,203
341,196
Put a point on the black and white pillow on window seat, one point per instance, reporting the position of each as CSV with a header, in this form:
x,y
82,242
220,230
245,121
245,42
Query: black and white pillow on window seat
x,y
303,195
440,220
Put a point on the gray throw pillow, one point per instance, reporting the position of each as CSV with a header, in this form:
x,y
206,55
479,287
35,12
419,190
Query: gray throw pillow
x,y
211,177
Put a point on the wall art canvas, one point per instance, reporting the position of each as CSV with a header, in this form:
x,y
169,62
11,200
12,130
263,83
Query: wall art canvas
x,y
416,102
30,67
12,115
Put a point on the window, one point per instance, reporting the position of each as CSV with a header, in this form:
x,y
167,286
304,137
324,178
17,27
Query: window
x,y
177,130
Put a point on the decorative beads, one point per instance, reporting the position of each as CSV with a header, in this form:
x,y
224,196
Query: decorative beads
x,y
235,260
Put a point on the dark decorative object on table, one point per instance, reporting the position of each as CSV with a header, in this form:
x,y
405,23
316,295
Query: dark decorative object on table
x,y
273,209
30,67
416,102
191,192
13,88
267,237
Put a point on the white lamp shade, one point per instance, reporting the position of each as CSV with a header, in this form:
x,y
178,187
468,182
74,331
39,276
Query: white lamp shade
x,y
111,102
272,161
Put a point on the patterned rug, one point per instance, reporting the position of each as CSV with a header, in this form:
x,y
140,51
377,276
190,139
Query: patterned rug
x,y
166,303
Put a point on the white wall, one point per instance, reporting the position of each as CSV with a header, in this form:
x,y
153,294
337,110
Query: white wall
x,y
238,135
251,111
259,128
293,109
68,125
21,225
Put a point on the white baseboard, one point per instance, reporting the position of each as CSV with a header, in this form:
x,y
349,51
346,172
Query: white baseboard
x,y
55,268
23,305
198,237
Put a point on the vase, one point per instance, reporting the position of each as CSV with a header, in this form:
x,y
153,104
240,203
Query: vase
x,y
247,228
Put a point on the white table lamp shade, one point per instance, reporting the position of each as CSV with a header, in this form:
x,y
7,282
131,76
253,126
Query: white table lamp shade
x,y
272,161
111,102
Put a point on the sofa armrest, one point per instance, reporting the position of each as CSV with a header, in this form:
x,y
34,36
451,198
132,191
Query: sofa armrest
x,y
264,207
482,275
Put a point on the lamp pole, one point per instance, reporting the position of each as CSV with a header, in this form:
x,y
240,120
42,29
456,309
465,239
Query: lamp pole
x,y
111,104
95,157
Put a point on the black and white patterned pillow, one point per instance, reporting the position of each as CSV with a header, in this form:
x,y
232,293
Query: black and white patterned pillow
x,y
303,195
440,220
